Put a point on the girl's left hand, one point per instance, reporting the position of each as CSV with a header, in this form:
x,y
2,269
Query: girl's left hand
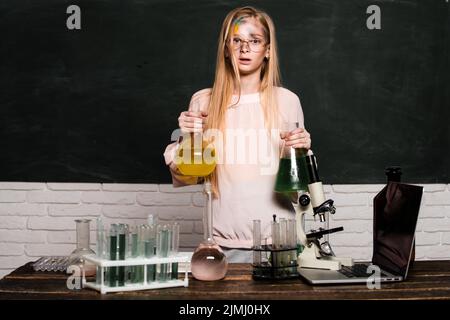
x,y
298,138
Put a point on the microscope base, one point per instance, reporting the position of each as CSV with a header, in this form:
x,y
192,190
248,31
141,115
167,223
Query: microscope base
x,y
308,259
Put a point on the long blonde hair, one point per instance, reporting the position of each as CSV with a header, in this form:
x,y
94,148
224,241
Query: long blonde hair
x,y
227,75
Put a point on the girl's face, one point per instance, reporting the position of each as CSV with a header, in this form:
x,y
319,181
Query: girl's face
x,y
248,45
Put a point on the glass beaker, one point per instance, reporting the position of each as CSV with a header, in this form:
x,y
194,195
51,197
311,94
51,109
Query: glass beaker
x,y
292,175
195,155
83,248
208,262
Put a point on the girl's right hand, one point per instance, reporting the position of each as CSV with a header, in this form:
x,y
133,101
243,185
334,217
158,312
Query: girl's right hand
x,y
192,121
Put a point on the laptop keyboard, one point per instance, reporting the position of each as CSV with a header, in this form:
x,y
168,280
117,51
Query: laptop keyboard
x,y
355,271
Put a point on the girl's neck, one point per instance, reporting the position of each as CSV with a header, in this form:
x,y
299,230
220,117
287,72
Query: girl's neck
x,y
250,83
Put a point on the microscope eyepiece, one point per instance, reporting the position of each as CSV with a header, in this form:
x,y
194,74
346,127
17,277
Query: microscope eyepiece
x,y
311,163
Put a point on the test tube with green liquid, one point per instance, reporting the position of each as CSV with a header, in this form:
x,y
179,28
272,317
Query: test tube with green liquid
x,y
275,242
133,253
141,252
150,244
175,247
121,252
113,255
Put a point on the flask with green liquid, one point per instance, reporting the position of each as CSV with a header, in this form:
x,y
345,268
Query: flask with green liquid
x,y
292,173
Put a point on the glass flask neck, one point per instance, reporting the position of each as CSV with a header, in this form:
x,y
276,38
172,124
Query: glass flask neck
x,y
289,152
83,235
208,214
196,135
196,140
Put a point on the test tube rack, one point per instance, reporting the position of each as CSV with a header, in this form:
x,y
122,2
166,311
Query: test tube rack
x,y
275,263
279,259
105,263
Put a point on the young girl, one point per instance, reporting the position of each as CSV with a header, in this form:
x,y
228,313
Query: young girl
x,y
245,100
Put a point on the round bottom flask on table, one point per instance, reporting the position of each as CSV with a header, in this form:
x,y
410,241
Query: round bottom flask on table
x,y
208,262
196,157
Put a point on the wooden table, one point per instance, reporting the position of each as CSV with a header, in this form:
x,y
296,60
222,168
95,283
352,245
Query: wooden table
x,y
427,280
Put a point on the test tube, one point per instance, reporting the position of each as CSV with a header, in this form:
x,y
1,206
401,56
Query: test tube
x,y
132,253
150,244
257,242
121,252
163,251
141,252
175,247
169,248
283,241
133,236
152,219
158,247
283,232
113,255
275,234
292,241
99,245
275,241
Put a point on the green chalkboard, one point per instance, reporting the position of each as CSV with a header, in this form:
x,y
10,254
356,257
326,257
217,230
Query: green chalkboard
x,y
99,104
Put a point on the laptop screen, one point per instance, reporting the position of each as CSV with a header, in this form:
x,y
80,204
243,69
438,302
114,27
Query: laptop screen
x,y
396,210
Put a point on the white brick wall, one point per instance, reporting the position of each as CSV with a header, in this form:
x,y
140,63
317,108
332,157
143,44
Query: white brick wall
x,y
37,219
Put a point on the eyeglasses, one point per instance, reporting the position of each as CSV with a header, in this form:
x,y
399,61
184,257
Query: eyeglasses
x,y
255,45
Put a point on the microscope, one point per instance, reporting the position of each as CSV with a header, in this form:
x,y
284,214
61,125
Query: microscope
x,y
313,203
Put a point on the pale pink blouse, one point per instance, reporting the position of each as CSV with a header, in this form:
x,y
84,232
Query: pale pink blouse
x,y
245,182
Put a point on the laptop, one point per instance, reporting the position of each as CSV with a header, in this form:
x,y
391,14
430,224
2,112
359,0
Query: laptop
x,y
396,209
